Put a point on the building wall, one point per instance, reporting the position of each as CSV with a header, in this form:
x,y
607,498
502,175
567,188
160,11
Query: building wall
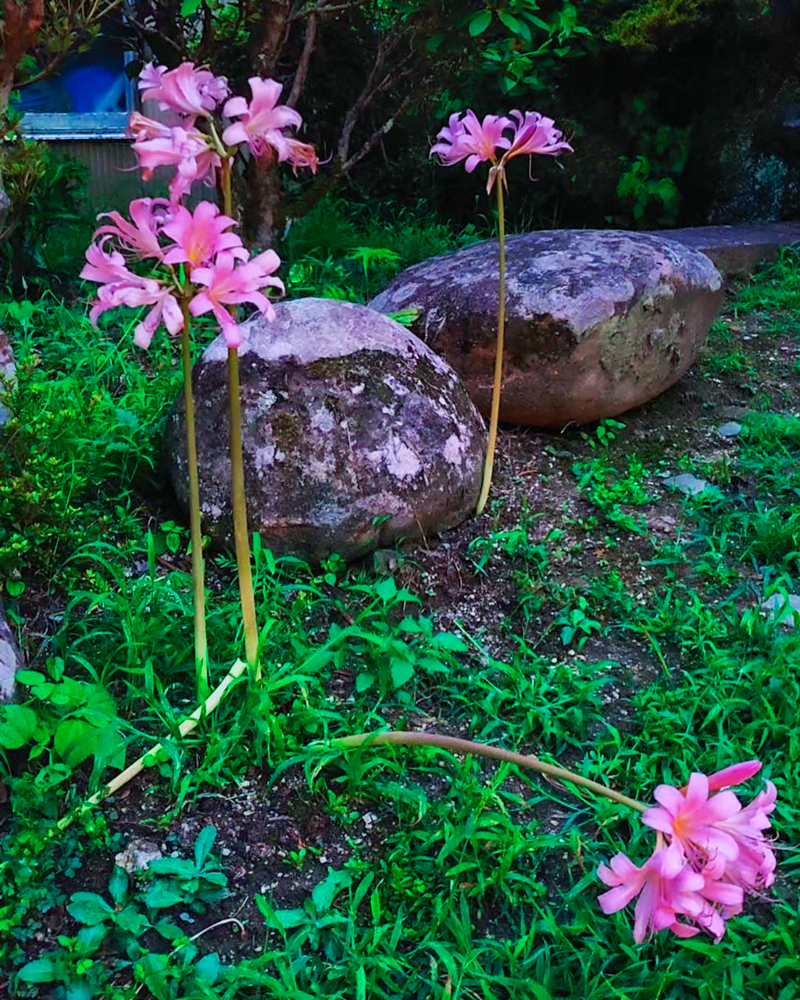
x,y
113,178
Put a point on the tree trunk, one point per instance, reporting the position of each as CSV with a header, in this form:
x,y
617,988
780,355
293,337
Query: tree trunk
x,y
264,218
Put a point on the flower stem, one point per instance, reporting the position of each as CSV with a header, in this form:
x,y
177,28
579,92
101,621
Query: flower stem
x,y
456,745
240,532
494,416
198,584
188,724
227,196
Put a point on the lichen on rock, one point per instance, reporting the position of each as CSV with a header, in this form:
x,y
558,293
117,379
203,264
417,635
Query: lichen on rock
x,y
355,433
597,322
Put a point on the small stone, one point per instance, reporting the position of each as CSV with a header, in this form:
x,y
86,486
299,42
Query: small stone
x,y
137,855
368,820
687,483
730,430
660,522
10,660
784,608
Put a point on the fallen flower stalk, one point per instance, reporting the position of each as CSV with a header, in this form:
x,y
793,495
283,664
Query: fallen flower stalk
x,y
710,850
191,722
456,745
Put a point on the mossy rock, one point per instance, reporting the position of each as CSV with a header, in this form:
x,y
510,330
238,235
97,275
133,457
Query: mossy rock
x,y
355,434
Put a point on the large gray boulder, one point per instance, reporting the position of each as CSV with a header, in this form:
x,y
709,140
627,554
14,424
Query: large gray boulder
x,y
10,660
355,433
597,321
8,373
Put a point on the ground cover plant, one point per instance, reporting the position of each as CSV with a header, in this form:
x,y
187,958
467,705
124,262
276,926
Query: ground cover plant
x,y
592,614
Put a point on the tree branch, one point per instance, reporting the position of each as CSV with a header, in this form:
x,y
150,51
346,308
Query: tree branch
x,y
365,98
323,9
376,136
301,73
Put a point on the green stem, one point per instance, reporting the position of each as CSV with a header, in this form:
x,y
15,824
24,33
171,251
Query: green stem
x,y
227,197
456,745
198,584
189,723
240,532
494,417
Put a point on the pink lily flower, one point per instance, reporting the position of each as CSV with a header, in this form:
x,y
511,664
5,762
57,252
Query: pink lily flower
x,y
535,134
200,235
165,310
725,899
302,154
694,820
733,775
666,886
187,90
121,287
226,284
471,140
188,152
140,127
261,122
103,267
140,236
754,866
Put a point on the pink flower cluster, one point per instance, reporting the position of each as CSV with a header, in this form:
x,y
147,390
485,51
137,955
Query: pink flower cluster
x,y
219,270
192,146
198,264
467,138
710,851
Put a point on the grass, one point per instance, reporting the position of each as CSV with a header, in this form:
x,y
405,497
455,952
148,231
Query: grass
x,y
632,653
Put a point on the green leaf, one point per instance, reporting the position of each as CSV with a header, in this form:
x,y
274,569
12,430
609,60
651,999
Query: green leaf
x,y
29,678
109,750
89,939
15,587
402,672
480,23
130,920
118,885
17,727
280,920
169,931
208,968
42,970
363,682
386,589
512,23
160,896
452,643
154,974
89,908
75,740
324,894
203,844
189,7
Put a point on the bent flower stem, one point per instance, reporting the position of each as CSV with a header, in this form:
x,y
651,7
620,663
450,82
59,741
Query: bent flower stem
x,y
456,745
